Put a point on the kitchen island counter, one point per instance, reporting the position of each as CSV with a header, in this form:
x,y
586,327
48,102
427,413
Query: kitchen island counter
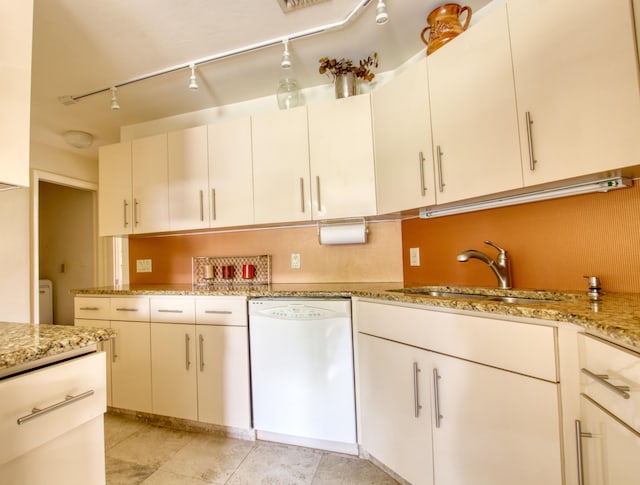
x,y
615,317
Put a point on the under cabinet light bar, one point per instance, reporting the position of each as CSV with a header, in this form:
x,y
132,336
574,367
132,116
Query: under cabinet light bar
x,y
603,185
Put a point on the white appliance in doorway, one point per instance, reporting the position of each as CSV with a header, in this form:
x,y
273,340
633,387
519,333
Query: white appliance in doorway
x,y
45,302
302,372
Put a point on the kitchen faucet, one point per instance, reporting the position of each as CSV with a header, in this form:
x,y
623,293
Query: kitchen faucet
x,y
501,267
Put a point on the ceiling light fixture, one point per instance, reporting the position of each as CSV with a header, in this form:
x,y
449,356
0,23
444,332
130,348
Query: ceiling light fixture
x,y
286,56
382,17
78,139
602,185
193,83
114,100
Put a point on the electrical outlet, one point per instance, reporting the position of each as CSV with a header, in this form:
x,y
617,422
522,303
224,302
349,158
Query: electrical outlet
x,y
414,256
143,266
295,260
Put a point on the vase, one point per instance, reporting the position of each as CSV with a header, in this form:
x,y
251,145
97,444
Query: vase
x,y
444,25
288,94
345,85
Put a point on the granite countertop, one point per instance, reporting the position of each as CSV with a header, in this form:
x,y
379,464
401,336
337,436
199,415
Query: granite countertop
x,y
616,317
27,345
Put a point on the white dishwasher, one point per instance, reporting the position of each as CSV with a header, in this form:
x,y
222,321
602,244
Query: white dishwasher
x,y
302,372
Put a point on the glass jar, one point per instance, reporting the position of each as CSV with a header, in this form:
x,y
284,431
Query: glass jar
x,y
288,94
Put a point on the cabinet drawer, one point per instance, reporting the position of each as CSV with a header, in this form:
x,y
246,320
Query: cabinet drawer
x,y
91,308
519,347
173,310
134,309
610,376
222,311
50,388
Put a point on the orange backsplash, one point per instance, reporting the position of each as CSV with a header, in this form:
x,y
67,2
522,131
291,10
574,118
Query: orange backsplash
x,y
552,244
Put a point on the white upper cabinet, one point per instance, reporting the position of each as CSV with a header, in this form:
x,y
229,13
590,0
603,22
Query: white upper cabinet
x,y
150,184
230,173
576,76
16,25
115,205
188,179
281,188
402,140
473,112
341,158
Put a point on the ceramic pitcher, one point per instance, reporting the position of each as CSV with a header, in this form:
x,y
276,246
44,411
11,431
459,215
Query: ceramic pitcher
x,y
444,25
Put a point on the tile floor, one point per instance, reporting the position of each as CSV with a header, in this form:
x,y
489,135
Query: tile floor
x,y
140,453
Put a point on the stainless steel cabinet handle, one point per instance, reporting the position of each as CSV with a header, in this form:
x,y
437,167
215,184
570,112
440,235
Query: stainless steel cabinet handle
x,y
423,188
621,391
202,205
436,397
416,391
123,309
90,308
35,412
440,177
114,354
579,436
186,351
136,203
213,204
301,194
170,311
532,159
201,342
219,312
318,190
125,205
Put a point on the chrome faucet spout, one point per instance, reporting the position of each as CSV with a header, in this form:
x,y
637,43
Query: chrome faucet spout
x,y
501,267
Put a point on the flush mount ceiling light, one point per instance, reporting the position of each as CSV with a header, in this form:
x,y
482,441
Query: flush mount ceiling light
x,y
114,100
193,83
382,17
286,56
291,5
78,139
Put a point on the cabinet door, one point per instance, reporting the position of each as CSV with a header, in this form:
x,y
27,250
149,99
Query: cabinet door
x,y
473,112
104,346
150,184
402,139
114,194
173,370
188,179
223,376
341,158
494,427
580,89
281,188
395,407
610,450
230,177
131,366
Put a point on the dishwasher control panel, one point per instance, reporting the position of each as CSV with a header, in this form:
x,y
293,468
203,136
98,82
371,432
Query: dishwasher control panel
x,y
300,309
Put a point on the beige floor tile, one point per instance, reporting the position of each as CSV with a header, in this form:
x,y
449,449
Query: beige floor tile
x,y
151,446
272,464
168,478
121,472
119,428
209,458
337,469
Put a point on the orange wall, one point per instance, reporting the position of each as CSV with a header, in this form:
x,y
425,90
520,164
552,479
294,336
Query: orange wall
x,y
552,244
377,260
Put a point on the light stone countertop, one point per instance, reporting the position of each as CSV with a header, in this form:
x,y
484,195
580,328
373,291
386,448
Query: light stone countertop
x,y
616,317
28,345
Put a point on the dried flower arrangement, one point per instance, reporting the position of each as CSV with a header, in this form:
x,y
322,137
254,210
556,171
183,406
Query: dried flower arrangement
x,y
334,68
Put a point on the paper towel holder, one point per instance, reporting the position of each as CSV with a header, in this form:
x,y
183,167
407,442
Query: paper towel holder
x,y
343,231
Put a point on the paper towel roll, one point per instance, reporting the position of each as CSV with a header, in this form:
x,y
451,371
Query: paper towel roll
x,y
343,234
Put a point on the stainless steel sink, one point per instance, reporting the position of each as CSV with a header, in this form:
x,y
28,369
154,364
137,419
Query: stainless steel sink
x,y
477,296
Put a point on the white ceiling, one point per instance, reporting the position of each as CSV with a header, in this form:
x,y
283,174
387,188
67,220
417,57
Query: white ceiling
x,y
84,45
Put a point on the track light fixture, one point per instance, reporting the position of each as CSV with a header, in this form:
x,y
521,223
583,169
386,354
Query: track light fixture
x,y
193,83
286,56
114,101
382,17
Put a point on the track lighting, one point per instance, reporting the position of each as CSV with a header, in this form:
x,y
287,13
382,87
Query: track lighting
x,y
286,56
382,17
114,101
193,83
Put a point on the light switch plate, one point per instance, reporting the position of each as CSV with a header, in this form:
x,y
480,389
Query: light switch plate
x,y
143,265
414,256
295,260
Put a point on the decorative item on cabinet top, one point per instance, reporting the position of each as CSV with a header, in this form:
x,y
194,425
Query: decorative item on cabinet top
x,y
345,74
444,25
228,270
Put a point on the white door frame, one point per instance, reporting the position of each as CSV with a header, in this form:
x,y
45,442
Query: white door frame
x,y
38,176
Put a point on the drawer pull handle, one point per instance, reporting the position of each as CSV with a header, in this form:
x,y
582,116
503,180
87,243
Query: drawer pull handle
x,y
126,309
170,311
621,391
219,312
35,412
90,308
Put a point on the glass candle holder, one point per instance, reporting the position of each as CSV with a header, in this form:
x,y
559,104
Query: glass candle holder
x,y
288,94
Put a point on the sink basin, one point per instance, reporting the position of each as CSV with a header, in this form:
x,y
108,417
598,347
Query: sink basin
x,y
477,296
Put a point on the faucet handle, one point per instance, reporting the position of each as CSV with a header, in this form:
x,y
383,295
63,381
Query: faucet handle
x,y
502,251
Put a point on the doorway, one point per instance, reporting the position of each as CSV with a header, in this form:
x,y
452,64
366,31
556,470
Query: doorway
x,y
64,243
